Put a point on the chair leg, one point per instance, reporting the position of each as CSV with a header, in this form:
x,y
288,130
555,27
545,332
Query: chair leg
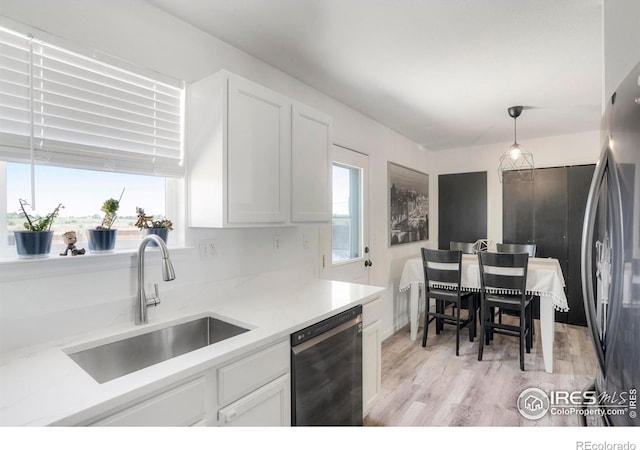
x,y
533,302
472,315
476,312
482,318
488,330
530,327
522,336
439,309
457,330
426,323
491,318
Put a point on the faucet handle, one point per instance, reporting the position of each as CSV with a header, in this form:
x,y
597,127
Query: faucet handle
x,y
155,300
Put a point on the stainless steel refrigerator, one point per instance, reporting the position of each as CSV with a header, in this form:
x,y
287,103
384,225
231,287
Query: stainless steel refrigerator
x,y
611,261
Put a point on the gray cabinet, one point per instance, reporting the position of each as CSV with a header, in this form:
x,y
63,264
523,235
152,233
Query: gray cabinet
x,y
549,211
462,208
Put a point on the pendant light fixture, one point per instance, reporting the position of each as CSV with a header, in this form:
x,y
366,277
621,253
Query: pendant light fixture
x,y
516,163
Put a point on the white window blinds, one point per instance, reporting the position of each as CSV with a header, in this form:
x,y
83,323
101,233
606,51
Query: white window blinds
x,y
65,109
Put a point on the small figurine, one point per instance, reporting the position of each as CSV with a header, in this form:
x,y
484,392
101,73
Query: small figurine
x,y
70,238
143,219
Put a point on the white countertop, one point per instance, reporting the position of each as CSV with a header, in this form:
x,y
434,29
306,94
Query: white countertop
x,y
43,386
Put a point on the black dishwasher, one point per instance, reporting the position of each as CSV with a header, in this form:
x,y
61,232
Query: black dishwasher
x,y
326,367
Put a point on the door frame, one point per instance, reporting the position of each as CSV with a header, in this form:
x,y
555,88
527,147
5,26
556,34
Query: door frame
x,y
348,270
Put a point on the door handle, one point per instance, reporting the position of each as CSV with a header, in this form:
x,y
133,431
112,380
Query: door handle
x,y
368,262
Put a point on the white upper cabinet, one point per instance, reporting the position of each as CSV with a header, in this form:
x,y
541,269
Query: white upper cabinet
x,y
258,154
310,165
239,153
243,171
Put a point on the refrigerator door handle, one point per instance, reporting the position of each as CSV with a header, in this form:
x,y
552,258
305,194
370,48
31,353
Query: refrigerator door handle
x,y
587,254
602,316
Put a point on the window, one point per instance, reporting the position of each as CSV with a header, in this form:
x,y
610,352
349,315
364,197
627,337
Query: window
x,y
76,130
62,108
82,193
346,225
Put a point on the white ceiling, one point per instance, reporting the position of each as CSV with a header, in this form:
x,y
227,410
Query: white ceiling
x,y
441,72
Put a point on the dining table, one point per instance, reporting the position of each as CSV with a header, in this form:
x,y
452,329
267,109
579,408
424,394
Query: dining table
x,y
544,279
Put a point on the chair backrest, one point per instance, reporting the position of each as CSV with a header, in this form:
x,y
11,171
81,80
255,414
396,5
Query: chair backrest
x,y
504,272
517,248
464,247
441,266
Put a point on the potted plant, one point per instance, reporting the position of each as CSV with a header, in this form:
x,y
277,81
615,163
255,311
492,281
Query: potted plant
x,y
161,227
35,240
102,239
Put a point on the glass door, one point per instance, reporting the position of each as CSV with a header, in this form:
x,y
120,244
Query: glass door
x,y
346,255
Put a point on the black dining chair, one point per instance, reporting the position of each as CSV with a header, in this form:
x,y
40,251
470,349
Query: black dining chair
x,y
464,247
468,248
442,276
503,280
516,248
530,249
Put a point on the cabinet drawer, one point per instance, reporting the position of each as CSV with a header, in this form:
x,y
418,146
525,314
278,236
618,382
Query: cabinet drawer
x,y
180,406
269,405
246,375
371,312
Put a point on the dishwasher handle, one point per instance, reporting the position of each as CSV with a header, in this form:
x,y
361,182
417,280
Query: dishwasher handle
x,y
356,322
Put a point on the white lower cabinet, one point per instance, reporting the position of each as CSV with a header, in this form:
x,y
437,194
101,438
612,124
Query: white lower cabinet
x,y
268,406
371,354
184,405
256,390
253,390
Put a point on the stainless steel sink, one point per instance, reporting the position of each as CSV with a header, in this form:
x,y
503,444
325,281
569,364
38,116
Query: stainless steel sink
x,y
110,361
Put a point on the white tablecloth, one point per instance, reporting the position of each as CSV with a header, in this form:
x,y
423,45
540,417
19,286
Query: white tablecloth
x,y
544,278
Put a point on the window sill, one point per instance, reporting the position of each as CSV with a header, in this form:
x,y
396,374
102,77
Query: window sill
x,y
14,268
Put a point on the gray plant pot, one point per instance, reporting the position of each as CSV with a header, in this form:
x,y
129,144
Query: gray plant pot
x,y
33,244
102,241
162,232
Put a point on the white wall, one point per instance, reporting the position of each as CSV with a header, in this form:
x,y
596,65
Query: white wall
x,y
136,32
567,150
139,33
621,41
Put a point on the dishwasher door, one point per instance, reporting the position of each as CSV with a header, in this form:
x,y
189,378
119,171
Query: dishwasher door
x,y
326,366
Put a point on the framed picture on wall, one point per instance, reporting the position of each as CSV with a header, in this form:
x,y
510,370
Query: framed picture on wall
x,y
408,205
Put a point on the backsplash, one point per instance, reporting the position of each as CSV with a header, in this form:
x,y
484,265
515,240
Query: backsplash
x,y
51,307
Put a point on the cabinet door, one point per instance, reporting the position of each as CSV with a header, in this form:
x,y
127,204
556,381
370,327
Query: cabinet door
x,y
180,406
462,208
517,212
249,373
258,154
268,406
310,165
371,365
579,181
549,212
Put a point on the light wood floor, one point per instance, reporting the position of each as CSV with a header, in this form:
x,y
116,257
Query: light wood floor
x,y
432,387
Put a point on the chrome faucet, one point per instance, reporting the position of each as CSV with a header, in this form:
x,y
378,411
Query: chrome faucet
x,y
167,275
